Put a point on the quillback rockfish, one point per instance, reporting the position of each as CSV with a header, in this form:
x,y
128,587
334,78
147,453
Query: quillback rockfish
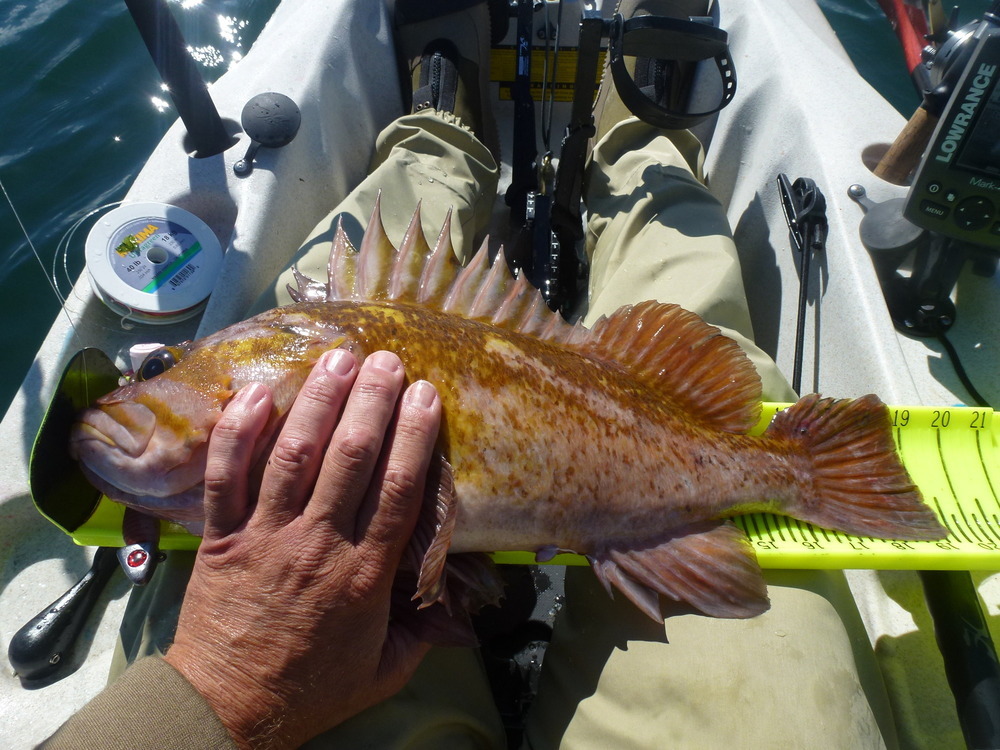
x,y
625,442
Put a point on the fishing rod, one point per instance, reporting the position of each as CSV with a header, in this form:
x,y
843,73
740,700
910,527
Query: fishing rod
x,y
943,61
912,28
947,219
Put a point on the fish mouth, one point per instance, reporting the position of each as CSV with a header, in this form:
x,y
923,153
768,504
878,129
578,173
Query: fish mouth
x,y
125,454
145,482
124,426
84,432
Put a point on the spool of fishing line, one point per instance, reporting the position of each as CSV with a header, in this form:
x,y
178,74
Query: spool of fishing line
x,y
153,263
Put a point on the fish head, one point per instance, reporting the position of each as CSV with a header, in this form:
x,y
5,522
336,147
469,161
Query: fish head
x,y
149,437
146,443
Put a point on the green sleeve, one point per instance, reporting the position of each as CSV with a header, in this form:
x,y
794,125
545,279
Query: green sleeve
x,y
150,705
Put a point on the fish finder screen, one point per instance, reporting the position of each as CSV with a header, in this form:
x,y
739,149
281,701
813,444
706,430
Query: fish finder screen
x,y
981,151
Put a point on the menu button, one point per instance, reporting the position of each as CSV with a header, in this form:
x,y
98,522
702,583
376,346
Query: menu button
x,y
930,208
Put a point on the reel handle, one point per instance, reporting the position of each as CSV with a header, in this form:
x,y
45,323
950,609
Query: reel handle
x,y
40,648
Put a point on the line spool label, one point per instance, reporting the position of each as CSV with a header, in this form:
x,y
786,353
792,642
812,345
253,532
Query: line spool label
x,y
152,262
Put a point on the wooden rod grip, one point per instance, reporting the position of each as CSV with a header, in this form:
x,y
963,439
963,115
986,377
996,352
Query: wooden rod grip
x,y
904,154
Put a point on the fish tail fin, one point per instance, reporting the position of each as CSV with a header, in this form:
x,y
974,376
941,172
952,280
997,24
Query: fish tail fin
x,y
859,484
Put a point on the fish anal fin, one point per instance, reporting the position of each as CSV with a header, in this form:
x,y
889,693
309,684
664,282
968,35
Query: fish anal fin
x,y
683,358
710,566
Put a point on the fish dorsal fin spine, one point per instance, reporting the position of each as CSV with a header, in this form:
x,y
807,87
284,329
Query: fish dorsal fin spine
x,y
670,350
441,270
462,295
413,252
432,277
342,267
376,259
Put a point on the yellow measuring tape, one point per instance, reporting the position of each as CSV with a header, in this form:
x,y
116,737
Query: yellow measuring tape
x,y
952,454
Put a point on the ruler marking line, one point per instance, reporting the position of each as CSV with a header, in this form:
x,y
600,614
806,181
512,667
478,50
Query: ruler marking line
x,y
972,527
986,527
958,526
968,532
796,531
770,520
812,531
943,516
975,527
982,461
944,467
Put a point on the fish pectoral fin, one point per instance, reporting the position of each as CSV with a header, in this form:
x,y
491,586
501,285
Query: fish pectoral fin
x,y
434,625
428,549
466,581
709,565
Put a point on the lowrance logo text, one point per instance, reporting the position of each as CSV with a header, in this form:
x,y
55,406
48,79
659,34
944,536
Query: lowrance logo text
x,y
968,108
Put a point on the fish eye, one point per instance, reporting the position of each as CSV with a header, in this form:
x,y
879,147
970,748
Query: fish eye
x,y
156,363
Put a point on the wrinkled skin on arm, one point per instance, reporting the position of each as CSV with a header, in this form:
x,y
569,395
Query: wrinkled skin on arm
x,y
285,627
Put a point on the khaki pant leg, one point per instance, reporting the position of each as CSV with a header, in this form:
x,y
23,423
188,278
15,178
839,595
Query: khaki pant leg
x,y
430,158
427,158
655,232
800,676
794,678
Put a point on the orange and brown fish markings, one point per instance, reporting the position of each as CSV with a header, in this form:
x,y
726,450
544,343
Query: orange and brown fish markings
x,y
626,442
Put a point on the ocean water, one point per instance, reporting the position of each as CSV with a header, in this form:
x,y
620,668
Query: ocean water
x,y
82,106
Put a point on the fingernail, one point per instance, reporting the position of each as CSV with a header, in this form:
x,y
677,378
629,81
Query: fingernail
x,y
338,362
385,361
251,395
421,394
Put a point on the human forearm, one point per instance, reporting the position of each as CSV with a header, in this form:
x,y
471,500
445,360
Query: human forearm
x,y
150,705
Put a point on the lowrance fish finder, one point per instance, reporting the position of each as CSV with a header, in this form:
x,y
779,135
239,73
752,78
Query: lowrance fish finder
x,y
956,187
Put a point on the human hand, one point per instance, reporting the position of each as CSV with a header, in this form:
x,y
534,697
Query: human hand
x,y
285,626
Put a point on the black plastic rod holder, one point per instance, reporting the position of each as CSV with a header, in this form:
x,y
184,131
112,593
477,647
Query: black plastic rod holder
x,y
207,133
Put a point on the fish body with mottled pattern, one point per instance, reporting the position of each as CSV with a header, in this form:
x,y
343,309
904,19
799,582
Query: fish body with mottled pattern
x,y
626,442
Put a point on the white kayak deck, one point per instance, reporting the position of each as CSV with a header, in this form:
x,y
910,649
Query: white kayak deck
x,y
801,109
